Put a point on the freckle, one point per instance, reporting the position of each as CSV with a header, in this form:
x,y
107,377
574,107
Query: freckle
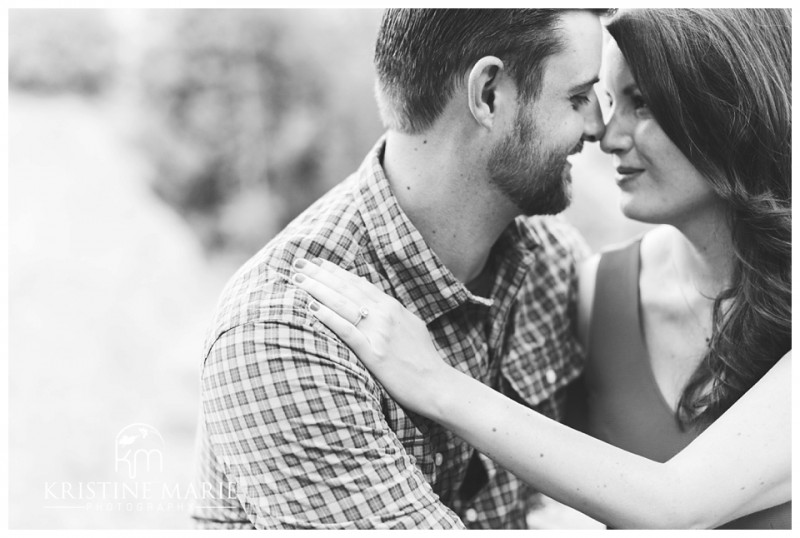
x,y
742,488
408,188
424,141
541,455
761,483
494,429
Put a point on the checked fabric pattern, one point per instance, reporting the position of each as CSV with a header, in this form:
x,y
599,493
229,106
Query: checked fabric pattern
x,y
295,431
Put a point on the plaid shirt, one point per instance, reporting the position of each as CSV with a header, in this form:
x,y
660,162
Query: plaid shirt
x,y
296,433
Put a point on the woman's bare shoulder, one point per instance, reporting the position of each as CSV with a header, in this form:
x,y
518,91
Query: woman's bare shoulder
x,y
656,246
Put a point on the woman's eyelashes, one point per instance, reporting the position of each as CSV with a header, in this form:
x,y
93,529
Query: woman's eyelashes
x,y
638,102
635,101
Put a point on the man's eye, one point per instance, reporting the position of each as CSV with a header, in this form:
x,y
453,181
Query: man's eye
x,y
579,100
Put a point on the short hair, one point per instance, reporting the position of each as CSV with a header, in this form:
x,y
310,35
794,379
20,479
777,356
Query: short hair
x,y
421,56
719,84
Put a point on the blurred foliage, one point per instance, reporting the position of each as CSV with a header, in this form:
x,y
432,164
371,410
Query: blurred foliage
x,y
55,51
245,117
253,114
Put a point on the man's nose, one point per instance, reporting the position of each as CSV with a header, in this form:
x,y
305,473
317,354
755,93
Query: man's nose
x,y
593,126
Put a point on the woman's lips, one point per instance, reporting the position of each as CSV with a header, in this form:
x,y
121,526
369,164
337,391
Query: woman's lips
x,y
627,173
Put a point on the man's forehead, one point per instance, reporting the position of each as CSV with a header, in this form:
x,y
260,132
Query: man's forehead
x,y
576,67
564,77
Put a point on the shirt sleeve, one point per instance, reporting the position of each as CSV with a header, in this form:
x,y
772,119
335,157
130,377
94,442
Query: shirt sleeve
x,y
296,422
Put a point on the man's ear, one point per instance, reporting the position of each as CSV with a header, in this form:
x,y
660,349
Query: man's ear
x,y
482,86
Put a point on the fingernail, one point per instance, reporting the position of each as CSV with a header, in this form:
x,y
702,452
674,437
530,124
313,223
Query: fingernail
x,y
316,261
299,263
298,278
313,306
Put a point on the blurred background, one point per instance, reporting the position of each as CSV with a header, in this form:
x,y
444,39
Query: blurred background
x,y
151,153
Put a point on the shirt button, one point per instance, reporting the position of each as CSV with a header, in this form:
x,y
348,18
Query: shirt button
x,y
550,376
471,515
438,459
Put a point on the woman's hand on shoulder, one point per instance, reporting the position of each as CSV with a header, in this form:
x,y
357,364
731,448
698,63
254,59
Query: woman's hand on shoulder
x,y
393,343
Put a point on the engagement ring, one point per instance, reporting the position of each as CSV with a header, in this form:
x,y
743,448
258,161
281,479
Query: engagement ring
x,y
362,313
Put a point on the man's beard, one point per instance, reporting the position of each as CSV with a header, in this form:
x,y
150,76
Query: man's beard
x,y
538,181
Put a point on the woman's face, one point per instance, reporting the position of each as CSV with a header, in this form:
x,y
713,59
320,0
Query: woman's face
x,y
658,183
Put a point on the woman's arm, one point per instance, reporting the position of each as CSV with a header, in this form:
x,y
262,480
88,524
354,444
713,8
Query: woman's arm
x,y
739,465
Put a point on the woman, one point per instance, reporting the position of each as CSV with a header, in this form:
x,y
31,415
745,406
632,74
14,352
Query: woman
x,y
688,329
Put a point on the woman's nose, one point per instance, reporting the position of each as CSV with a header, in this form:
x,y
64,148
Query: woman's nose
x,y
616,137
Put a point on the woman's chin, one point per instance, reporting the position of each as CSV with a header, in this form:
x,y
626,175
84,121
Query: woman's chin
x,y
636,212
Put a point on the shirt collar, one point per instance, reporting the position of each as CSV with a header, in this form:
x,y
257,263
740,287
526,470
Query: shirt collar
x,y
416,275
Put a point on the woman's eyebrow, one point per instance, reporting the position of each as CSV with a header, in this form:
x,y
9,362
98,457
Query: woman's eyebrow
x,y
630,89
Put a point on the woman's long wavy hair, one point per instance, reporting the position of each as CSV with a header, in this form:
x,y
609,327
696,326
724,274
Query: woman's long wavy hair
x,y
719,84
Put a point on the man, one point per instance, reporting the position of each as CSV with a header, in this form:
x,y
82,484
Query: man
x,y
482,109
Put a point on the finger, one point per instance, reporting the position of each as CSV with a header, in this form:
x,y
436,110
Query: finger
x,y
336,280
340,303
350,278
346,331
331,274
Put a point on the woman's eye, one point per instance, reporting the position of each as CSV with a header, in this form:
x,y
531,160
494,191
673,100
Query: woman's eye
x,y
638,102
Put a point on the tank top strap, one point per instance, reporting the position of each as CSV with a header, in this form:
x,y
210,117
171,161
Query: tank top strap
x,y
616,297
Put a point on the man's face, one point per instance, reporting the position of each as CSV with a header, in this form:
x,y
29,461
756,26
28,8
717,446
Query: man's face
x,y
529,165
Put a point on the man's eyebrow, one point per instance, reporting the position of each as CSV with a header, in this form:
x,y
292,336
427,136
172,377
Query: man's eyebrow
x,y
584,86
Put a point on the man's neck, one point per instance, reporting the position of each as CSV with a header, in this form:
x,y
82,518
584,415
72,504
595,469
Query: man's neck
x,y
440,182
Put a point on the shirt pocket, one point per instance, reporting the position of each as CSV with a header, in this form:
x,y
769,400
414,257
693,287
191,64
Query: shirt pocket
x,y
543,360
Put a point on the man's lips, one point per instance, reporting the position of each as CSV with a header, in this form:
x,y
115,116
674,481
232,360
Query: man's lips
x,y
575,151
